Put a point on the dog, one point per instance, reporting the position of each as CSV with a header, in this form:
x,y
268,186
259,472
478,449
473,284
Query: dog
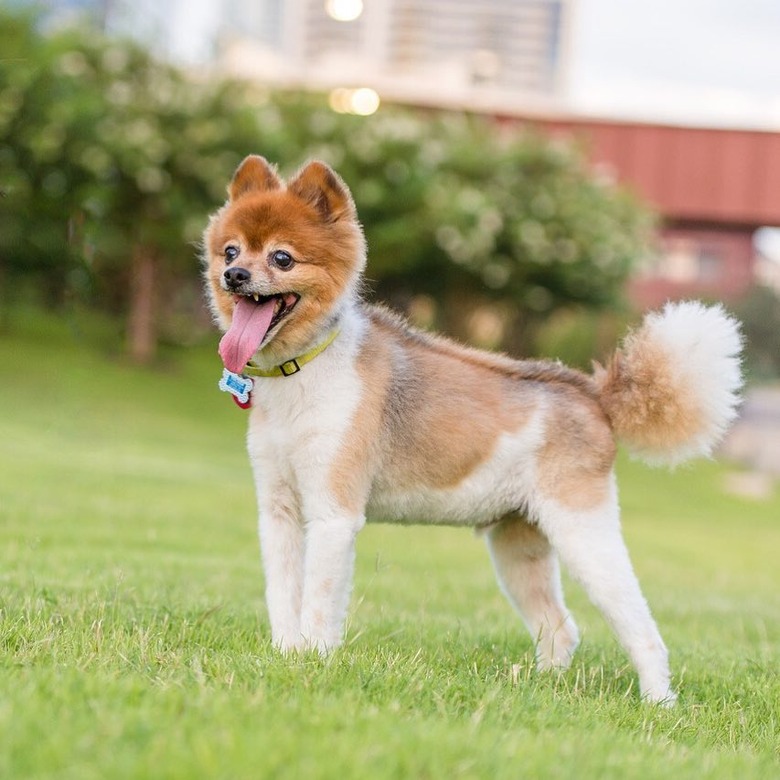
x,y
356,415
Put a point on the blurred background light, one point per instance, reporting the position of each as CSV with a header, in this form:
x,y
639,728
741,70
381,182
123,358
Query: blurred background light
x,y
344,10
363,101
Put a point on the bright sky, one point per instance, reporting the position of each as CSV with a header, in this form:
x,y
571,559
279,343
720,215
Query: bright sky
x,y
693,61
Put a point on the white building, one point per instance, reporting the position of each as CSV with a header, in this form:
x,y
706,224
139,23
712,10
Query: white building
x,y
479,53
490,55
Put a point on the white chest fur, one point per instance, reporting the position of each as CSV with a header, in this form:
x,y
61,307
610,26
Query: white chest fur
x,y
298,423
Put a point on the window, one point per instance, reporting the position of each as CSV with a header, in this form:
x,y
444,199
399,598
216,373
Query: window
x,y
710,264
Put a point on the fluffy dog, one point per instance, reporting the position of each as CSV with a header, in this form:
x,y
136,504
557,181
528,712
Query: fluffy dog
x,y
356,415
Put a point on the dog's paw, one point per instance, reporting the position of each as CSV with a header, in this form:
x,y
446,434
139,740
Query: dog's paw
x,y
302,644
555,648
322,645
660,696
289,644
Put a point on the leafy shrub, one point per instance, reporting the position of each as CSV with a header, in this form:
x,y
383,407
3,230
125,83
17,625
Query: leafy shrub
x,y
112,160
759,312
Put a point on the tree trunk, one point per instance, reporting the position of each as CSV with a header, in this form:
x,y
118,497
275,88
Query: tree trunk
x,y
142,317
5,319
520,336
458,302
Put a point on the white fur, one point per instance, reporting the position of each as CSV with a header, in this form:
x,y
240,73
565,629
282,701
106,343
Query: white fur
x,y
298,425
591,546
535,503
703,345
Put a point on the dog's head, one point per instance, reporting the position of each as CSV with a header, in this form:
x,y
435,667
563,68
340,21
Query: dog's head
x,y
281,260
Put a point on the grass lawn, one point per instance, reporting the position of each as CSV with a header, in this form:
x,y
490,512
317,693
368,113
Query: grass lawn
x,y
134,642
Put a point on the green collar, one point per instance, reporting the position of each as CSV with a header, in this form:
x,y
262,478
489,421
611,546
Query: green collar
x,y
293,366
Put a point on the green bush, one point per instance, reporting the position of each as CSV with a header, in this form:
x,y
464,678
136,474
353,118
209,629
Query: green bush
x,y
579,336
111,161
759,312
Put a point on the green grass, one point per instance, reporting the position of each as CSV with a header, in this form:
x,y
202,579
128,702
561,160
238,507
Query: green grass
x,y
134,642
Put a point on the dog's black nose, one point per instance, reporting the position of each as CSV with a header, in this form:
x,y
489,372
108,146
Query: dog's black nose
x,y
235,277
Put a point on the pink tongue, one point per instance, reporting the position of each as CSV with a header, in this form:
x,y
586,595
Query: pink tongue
x,y
250,324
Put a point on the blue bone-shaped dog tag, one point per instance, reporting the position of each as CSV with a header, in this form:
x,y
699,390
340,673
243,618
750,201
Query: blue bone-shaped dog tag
x,y
236,384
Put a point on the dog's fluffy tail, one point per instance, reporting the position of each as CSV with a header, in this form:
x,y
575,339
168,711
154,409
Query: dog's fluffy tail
x,y
673,387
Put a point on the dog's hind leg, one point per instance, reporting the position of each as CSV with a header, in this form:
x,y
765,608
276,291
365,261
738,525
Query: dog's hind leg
x,y
528,573
590,544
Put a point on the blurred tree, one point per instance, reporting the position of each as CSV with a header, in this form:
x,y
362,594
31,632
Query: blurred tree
x,y
110,162
38,179
157,158
476,217
531,224
759,313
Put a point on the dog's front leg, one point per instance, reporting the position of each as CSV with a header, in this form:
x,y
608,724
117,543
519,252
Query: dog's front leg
x,y
282,545
328,570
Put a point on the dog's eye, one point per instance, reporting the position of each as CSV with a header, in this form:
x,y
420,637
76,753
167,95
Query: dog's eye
x,y
231,253
282,259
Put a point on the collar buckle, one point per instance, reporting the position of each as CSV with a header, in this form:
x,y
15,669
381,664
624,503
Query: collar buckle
x,y
290,367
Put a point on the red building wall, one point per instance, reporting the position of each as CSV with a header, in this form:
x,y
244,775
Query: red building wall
x,y
726,177
696,263
713,189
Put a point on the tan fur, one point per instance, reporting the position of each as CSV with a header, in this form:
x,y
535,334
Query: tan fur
x,y
406,427
430,374
645,402
575,462
527,570
543,371
517,532
254,175
349,477
413,393
388,423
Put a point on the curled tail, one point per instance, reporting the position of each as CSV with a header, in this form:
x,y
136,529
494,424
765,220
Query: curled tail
x,y
673,387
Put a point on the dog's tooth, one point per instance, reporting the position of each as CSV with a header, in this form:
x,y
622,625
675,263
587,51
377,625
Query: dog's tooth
x,y
256,296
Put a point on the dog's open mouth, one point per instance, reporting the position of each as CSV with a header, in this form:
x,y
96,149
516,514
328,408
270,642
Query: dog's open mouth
x,y
283,304
254,317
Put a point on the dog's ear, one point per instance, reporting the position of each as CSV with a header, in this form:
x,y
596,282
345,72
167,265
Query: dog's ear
x,y
255,174
321,187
